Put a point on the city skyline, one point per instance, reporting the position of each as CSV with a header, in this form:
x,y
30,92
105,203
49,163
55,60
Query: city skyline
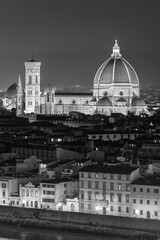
x,y
72,38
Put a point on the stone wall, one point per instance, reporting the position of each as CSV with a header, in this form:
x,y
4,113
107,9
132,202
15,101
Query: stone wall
x,y
14,214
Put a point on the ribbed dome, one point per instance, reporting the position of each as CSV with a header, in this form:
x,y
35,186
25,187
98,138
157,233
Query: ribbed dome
x,y
116,70
11,91
137,102
104,101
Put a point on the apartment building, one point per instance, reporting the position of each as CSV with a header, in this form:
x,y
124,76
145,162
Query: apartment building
x,y
106,189
145,192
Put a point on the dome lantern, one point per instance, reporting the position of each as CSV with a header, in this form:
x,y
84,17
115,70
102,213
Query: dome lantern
x,y
116,50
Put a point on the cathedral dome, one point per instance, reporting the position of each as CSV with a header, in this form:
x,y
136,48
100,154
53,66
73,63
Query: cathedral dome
x,y
104,101
116,70
11,92
138,102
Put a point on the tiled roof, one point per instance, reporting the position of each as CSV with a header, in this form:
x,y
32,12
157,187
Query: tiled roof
x,y
147,181
118,169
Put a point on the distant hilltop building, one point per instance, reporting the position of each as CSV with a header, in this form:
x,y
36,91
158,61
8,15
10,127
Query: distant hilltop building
x,y
115,90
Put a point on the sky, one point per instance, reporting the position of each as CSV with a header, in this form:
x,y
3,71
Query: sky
x,y
48,26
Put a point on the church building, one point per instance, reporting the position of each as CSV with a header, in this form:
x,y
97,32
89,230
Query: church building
x,y
115,90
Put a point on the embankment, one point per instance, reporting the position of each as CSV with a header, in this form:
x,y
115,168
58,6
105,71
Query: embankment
x,y
130,228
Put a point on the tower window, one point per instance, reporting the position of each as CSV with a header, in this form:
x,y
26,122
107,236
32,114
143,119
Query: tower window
x,y
30,79
121,93
52,97
47,97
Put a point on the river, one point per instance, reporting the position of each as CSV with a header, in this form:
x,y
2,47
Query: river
x,y
10,232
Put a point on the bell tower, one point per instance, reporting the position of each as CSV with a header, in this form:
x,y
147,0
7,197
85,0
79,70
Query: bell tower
x,y
32,86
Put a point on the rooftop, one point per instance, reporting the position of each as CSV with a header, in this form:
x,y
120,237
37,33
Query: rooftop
x,y
147,181
117,169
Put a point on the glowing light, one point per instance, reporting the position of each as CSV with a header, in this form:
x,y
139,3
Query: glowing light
x,y
137,211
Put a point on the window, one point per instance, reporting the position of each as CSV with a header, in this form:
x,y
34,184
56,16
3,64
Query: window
x,y
82,195
155,202
36,79
3,185
141,201
119,186
119,198
134,189
82,205
52,97
23,193
111,176
111,208
104,176
156,190
156,214
31,204
82,174
148,201
127,187
127,209
89,206
3,193
96,185
141,189
89,184
104,185
119,209
30,79
134,200
32,193
111,186
36,193
127,177
127,198
141,212
148,190
82,184
47,97
89,195
97,196
65,184
97,175
119,177
73,102
89,175
112,197
27,193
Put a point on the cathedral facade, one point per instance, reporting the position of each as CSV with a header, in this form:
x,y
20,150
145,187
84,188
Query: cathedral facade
x,y
115,90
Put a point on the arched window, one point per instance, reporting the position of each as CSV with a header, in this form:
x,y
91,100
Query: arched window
x,y
27,193
36,193
23,193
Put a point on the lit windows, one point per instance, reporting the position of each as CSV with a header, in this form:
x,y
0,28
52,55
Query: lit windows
x,y
119,187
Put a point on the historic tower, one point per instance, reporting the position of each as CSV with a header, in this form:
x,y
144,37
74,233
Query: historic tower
x,y
32,86
49,100
19,100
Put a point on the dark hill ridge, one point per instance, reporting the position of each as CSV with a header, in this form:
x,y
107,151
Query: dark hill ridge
x,y
63,69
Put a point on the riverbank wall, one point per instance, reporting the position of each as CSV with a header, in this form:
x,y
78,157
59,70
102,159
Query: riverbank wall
x,y
81,222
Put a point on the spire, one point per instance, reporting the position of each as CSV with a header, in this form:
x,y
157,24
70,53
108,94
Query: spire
x,y
116,50
19,84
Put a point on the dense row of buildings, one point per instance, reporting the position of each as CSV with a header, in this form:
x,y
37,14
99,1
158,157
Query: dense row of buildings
x,y
103,165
